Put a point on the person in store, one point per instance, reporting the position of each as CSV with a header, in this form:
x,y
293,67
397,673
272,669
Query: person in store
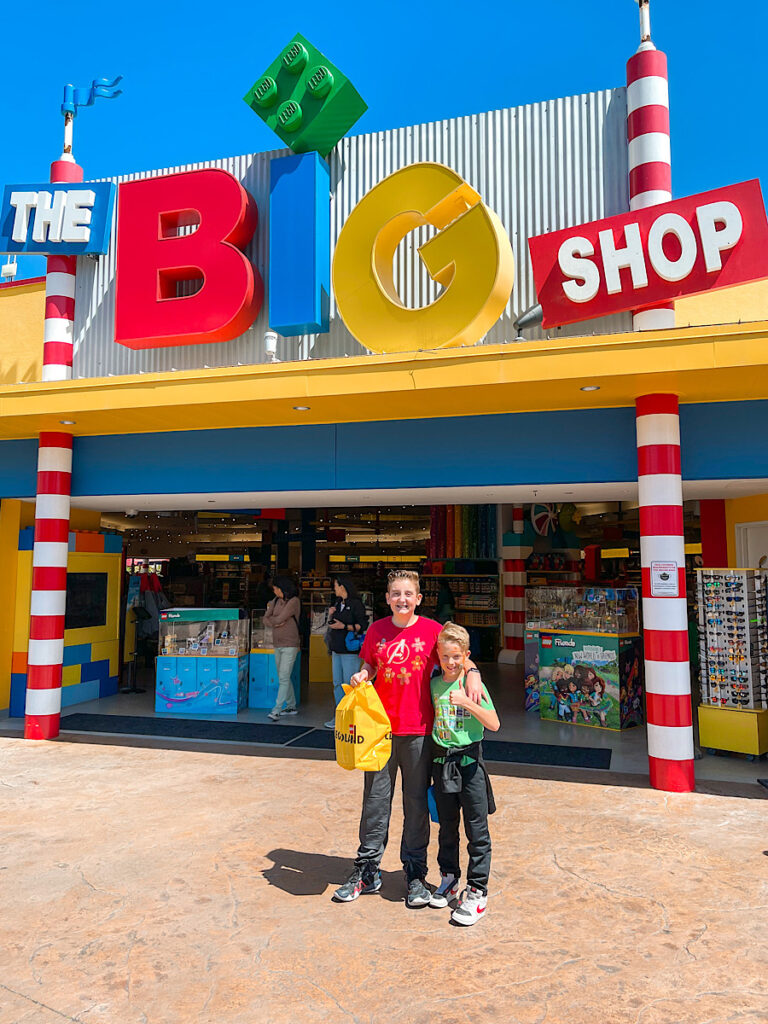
x,y
399,654
446,604
263,594
282,616
345,616
462,786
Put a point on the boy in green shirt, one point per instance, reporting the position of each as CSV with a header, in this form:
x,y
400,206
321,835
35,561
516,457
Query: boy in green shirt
x,y
461,781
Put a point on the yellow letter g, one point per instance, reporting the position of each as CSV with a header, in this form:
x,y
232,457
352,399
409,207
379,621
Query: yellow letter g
x,y
470,257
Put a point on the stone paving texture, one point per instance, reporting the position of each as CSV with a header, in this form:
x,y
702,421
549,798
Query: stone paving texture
x,y
141,885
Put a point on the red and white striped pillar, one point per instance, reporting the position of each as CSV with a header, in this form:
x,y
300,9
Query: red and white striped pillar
x,y
665,617
513,603
60,295
45,654
650,161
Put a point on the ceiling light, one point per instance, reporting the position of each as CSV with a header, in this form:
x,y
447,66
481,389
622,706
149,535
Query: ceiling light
x,y
590,387
68,423
301,408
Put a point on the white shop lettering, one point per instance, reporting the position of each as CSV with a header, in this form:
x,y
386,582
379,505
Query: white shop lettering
x,y
720,226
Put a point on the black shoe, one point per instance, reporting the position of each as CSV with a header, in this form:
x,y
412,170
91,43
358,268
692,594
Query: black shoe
x,y
418,894
359,883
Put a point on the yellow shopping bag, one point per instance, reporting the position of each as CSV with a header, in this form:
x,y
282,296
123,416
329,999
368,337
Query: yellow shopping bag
x,y
363,731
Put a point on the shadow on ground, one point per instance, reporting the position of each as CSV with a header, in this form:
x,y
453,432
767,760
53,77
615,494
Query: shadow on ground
x,y
311,874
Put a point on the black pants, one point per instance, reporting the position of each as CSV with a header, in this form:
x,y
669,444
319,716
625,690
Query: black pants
x,y
413,756
472,802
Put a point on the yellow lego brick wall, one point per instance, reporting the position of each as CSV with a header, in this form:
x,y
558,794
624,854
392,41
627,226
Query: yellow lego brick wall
x,y
78,561
10,519
70,675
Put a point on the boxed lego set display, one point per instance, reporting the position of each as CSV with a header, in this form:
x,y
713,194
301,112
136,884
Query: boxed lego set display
x,y
202,664
589,656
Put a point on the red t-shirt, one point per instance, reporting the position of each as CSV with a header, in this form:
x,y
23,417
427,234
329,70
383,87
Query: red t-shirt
x,y
404,657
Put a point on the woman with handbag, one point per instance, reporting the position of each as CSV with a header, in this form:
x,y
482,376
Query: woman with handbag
x,y
347,623
282,616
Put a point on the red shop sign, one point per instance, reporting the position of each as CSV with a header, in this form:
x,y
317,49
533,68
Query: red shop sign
x,y
712,240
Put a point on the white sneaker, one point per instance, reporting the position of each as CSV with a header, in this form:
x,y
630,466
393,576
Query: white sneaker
x,y
274,715
446,892
471,908
331,724
289,711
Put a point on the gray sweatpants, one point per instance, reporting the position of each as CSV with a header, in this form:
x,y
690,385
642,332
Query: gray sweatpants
x,y
413,756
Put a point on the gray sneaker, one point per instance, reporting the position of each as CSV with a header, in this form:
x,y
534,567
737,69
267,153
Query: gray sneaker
x,y
359,883
418,894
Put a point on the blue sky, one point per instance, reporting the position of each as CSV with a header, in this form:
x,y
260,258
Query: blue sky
x,y
187,66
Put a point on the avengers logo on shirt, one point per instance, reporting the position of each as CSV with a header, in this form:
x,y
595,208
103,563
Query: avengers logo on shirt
x,y
395,653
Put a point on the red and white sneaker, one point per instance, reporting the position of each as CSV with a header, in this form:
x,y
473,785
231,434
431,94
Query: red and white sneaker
x,y
446,892
471,908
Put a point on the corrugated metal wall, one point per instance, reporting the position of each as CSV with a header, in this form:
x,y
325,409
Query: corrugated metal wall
x,y
541,167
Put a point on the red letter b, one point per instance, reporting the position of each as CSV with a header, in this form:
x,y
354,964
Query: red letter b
x,y
152,258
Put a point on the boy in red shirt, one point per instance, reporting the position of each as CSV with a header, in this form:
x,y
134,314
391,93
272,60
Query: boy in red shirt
x,y
400,652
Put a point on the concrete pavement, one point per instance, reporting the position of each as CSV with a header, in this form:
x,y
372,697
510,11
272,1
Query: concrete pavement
x,y
141,885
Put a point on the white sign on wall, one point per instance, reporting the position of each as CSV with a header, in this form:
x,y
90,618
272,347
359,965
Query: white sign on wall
x,y
665,580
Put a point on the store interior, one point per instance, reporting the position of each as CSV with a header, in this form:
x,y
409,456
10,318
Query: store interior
x,y
582,574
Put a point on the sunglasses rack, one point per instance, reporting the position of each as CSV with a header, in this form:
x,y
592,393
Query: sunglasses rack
x,y
733,638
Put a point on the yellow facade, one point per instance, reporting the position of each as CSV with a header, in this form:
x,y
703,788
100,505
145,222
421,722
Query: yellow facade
x,y
700,364
717,359
22,308
750,509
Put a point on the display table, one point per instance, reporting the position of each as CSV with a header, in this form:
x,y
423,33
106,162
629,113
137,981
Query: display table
x,y
589,656
202,667
320,663
263,681
734,730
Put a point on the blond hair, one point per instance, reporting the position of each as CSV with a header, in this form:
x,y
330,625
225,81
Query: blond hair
x,y
452,633
403,574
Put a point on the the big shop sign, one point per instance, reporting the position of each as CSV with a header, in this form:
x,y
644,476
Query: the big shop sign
x,y
196,225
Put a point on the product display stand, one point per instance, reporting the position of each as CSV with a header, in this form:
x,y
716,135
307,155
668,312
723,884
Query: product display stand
x,y
583,656
733,647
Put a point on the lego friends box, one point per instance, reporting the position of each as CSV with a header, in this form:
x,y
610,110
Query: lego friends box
x,y
591,679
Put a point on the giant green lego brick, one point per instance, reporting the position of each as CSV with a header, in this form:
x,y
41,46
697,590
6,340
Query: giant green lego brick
x,y
305,99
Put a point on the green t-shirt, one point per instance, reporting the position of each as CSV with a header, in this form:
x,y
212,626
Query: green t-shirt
x,y
454,726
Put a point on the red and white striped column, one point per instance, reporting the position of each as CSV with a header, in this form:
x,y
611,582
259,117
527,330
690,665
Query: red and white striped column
x,y
513,604
45,655
665,617
650,161
60,295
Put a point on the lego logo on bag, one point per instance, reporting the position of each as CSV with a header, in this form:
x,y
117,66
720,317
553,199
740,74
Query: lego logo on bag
x,y
351,736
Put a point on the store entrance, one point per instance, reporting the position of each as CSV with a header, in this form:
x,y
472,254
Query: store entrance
x,y
527,579
190,575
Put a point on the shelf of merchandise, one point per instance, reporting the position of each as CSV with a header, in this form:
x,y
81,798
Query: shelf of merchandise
x,y
733,638
478,604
